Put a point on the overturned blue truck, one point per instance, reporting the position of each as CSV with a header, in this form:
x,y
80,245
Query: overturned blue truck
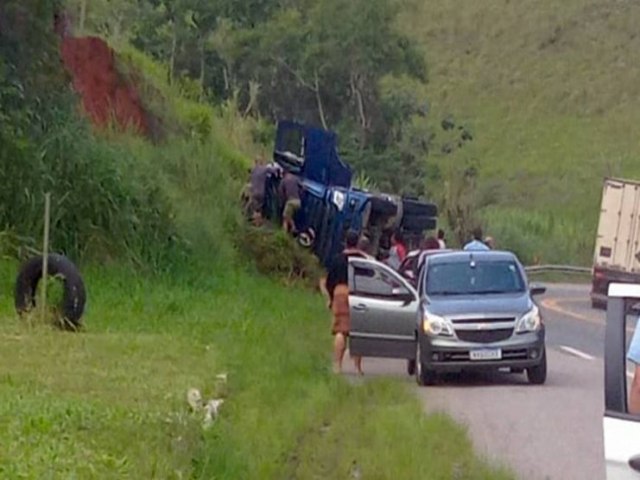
x,y
330,205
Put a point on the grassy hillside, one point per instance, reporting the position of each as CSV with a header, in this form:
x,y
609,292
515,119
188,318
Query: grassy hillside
x,y
550,91
155,228
111,402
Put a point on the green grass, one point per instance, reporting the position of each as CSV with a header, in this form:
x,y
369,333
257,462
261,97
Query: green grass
x,y
110,402
556,277
550,91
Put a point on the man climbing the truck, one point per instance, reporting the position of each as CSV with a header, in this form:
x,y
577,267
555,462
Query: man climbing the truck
x,y
257,182
290,194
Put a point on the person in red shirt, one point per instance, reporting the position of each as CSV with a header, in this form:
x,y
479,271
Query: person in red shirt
x,y
398,250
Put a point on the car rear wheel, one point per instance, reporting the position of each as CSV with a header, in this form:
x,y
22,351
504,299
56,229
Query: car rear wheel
x,y
538,375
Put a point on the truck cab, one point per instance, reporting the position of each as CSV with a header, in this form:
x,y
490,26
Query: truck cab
x,y
329,204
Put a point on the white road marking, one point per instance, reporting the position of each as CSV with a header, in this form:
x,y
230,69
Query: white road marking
x,y
577,353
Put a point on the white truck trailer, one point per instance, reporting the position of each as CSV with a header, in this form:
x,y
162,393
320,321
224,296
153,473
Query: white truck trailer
x,y
617,249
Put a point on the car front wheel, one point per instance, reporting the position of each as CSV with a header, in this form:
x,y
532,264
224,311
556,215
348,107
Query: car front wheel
x,y
538,375
411,367
424,376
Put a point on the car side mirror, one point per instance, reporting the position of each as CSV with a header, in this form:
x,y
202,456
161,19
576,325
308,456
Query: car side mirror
x,y
404,295
537,289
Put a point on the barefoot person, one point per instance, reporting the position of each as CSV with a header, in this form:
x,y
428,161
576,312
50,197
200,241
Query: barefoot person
x,y
336,288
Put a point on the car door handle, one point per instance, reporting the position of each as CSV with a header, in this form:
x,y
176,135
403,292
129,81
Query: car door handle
x,y
634,463
361,307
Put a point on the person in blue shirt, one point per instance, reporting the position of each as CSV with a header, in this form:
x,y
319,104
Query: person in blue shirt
x,y
476,243
633,354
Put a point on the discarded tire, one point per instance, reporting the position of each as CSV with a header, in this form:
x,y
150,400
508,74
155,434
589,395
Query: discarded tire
x,y
74,297
415,207
418,223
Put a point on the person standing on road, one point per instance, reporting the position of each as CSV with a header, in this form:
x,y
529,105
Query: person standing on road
x,y
430,243
476,243
441,241
290,193
633,354
398,250
490,242
364,246
336,288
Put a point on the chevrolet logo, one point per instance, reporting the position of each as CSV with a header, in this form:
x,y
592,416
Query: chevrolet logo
x,y
482,326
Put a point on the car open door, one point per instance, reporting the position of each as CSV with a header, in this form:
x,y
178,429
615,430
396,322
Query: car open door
x,y
621,429
383,311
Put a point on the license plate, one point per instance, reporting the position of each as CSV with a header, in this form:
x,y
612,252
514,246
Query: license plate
x,y
486,354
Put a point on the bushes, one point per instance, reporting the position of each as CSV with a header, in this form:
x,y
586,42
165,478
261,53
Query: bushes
x,y
539,237
277,254
102,203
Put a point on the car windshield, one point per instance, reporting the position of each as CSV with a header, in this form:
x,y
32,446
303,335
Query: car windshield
x,y
474,278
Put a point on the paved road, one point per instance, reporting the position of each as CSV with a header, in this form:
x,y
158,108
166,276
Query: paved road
x,y
547,432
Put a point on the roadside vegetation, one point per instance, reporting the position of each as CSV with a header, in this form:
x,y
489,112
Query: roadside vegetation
x,y
549,90
505,114
177,292
110,402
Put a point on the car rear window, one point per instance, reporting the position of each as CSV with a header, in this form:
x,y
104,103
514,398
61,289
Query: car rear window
x,y
480,277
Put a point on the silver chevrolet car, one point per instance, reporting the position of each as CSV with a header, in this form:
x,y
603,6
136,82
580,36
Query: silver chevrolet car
x,y
470,311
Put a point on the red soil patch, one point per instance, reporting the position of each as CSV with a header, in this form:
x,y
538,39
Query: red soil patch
x,y
106,96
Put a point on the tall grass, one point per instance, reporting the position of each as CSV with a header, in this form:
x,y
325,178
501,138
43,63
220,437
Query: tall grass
x,y
541,237
103,204
110,402
117,197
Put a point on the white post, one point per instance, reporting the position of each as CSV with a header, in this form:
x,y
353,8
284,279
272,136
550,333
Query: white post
x,y
45,254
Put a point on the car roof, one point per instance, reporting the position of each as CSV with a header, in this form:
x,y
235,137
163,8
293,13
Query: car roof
x,y
467,255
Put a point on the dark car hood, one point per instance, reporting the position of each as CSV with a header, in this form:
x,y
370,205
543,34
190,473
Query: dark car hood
x,y
515,304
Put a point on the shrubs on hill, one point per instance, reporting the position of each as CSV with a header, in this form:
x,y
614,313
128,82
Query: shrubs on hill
x,y
276,253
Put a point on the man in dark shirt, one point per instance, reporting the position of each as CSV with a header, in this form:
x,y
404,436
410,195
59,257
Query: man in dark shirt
x,y
336,288
290,192
257,184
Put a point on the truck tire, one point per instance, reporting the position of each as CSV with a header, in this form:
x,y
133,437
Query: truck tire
x,y
74,297
413,207
418,223
382,207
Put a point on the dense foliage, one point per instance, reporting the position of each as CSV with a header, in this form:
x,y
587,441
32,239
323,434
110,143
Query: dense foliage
x,y
341,64
46,147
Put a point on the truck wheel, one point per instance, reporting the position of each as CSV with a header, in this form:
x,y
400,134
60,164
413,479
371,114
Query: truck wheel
x,y
415,207
382,207
538,375
74,297
418,223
